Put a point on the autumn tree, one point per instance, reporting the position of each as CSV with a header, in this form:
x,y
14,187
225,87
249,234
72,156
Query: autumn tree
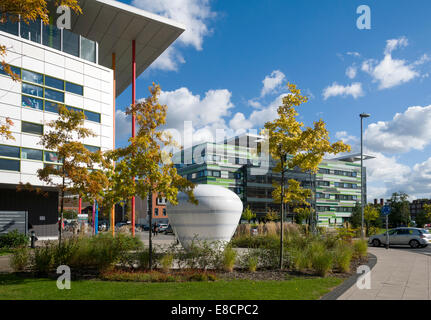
x,y
271,215
5,129
371,215
143,168
79,171
292,145
400,210
424,217
248,214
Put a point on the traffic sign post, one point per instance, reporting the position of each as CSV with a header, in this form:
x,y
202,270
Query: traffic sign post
x,y
386,211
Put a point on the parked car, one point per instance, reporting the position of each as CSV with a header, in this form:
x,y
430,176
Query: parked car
x,y
169,230
162,227
414,237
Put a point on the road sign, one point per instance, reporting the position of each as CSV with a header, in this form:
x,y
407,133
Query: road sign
x,y
386,210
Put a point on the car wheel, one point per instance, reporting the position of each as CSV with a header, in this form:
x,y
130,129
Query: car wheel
x,y
376,243
414,244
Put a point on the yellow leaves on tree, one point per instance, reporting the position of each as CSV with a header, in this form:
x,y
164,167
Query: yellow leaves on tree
x,y
5,131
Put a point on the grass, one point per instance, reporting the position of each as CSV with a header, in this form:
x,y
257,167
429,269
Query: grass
x,y
5,252
13,287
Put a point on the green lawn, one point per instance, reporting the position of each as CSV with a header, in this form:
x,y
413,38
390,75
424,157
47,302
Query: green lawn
x,y
5,252
13,287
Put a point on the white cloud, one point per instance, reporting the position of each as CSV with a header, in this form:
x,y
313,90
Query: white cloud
x,y
354,54
272,82
123,125
194,14
343,135
354,90
390,72
407,131
169,60
351,72
239,123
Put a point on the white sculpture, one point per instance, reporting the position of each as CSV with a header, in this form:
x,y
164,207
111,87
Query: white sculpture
x,y
215,218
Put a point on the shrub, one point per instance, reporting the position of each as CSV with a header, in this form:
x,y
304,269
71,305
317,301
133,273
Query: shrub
x,y
343,254
20,259
300,259
321,259
249,260
13,239
229,258
166,262
44,257
360,248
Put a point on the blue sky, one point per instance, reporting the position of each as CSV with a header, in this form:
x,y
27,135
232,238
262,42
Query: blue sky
x,y
214,75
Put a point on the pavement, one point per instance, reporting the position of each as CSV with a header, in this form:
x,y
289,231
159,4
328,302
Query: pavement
x,y
401,273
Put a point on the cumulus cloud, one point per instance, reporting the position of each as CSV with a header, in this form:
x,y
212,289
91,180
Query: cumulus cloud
x,y
343,135
354,90
407,131
272,82
390,72
351,72
194,14
123,125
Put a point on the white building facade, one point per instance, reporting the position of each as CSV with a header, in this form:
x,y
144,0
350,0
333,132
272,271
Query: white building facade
x,y
64,67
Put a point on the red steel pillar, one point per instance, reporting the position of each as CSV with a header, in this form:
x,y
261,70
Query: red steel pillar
x,y
133,119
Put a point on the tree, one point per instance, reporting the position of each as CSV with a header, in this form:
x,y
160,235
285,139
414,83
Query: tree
x,y
78,171
271,215
5,129
400,209
142,168
371,215
303,214
293,146
248,214
27,11
356,217
424,217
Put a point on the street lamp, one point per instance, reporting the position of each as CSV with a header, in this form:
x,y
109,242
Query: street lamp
x,y
362,115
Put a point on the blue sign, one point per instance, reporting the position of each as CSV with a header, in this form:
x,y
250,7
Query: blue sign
x,y
386,210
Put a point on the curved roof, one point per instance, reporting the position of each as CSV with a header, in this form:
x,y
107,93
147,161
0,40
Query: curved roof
x,y
114,25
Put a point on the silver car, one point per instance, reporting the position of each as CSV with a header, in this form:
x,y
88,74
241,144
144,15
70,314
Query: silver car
x,y
414,237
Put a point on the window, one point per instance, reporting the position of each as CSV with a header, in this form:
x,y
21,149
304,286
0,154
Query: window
x,y
51,36
31,76
9,26
32,89
31,30
156,212
54,95
92,116
33,128
320,195
324,171
31,154
164,212
88,49
323,183
10,165
54,83
9,151
74,88
216,174
52,106
14,69
322,208
92,148
70,43
51,156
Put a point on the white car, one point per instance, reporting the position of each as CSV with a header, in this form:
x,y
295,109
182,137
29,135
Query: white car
x,y
414,237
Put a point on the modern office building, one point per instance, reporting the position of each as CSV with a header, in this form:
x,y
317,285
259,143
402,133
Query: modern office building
x,y
417,207
85,68
236,164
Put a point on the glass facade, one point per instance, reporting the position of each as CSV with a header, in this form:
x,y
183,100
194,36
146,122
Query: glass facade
x,y
33,128
51,36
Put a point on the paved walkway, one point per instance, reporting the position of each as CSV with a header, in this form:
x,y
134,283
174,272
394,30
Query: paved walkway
x,y
4,264
400,274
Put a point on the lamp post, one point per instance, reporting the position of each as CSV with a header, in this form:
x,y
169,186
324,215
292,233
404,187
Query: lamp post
x,y
362,116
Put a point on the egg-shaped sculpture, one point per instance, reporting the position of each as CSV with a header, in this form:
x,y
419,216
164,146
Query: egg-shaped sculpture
x,y
215,218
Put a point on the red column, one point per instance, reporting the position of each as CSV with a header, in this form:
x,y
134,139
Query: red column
x,y
133,119
79,205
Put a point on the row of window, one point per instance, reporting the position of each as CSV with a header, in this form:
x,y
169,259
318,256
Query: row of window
x,y
337,209
15,165
34,154
204,173
53,37
338,172
320,195
338,185
156,212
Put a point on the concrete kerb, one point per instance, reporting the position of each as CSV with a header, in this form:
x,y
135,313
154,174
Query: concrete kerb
x,y
351,281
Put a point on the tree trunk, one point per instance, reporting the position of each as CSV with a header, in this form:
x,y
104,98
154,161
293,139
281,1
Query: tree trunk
x,y
282,214
60,231
150,207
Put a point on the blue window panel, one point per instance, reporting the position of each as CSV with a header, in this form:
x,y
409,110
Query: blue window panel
x,y
33,128
10,26
10,165
54,83
52,106
31,76
92,116
31,30
31,154
32,102
70,43
52,36
51,156
54,95
74,88
14,69
32,90
9,151
88,49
